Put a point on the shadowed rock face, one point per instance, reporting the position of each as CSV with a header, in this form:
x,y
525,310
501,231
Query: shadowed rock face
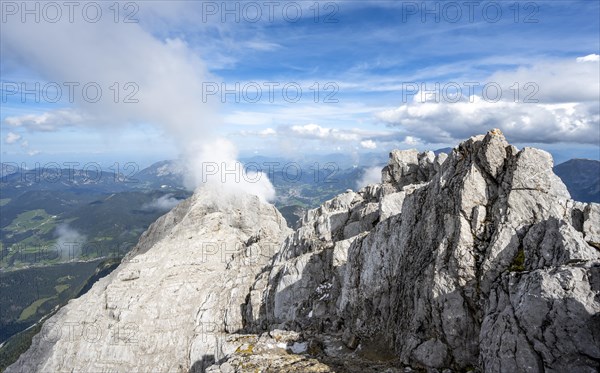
x,y
475,259
443,282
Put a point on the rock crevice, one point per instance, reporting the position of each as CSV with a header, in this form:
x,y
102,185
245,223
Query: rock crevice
x,y
474,260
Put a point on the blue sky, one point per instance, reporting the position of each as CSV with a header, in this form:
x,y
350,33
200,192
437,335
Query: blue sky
x,y
369,55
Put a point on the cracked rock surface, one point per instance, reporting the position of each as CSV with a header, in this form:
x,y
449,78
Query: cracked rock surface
x,y
474,261
164,308
478,260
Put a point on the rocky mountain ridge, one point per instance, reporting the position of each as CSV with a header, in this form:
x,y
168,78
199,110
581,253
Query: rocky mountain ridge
x,y
477,260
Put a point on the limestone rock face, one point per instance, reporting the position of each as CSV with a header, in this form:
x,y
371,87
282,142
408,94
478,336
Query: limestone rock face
x,y
164,307
591,225
481,268
474,260
411,167
304,283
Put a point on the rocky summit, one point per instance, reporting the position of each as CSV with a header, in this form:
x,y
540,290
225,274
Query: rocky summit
x,y
474,261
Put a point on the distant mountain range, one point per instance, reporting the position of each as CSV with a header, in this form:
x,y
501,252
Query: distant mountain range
x,y
472,261
582,178
338,172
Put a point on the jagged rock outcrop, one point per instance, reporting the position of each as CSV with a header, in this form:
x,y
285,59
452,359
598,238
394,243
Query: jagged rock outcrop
x,y
164,308
477,260
482,261
307,275
448,282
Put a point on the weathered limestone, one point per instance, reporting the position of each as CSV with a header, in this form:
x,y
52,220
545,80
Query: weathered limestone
x,y
164,308
474,261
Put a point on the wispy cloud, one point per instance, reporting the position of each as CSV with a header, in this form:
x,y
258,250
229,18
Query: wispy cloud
x,y
371,175
163,203
261,45
12,138
69,242
46,122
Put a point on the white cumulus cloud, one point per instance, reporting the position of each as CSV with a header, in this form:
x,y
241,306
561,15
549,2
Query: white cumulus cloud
x,y
162,78
542,123
317,132
589,58
368,144
267,132
562,107
12,138
328,134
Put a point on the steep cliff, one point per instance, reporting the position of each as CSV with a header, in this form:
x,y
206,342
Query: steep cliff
x,y
477,260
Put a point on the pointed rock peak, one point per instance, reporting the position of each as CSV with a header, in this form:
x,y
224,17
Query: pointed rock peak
x,y
493,152
495,132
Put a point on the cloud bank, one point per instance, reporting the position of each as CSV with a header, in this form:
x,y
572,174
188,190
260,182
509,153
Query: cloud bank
x,y
565,109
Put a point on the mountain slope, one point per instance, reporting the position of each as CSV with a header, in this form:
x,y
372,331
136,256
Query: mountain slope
x,y
582,178
478,258
186,277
